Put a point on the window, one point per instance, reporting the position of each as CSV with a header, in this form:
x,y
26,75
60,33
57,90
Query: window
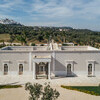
x,y
5,69
20,69
69,72
89,69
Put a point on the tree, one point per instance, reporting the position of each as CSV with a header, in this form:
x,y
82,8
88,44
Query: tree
x,y
22,38
33,44
37,92
12,38
50,93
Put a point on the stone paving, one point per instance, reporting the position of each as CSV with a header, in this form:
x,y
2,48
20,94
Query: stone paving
x,y
21,94
54,81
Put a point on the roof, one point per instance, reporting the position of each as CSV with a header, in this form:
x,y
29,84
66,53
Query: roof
x,y
48,48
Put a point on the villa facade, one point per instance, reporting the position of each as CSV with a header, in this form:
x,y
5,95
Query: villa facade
x,y
50,61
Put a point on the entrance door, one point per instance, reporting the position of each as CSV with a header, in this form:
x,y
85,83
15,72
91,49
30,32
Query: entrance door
x,y
69,71
42,70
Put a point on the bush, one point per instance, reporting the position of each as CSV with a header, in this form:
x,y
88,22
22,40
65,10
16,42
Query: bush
x,y
1,46
34,90
49,93
37,91
42,45
33,44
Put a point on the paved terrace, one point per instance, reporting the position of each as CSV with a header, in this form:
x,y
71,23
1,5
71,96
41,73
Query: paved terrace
x,y
71,81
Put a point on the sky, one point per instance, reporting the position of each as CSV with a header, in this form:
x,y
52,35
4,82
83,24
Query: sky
x,y
84,14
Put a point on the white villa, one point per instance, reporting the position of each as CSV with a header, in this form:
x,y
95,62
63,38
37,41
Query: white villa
x,y
50,61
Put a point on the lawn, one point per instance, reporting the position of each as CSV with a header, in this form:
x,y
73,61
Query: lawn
x,y
93,90
4,37
9,86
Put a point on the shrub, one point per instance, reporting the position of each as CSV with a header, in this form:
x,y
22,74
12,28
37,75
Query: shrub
x,y
33,44
42,45
34,90
37,91
49,93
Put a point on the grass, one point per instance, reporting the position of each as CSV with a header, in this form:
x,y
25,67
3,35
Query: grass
x,y
93,90
4,37
9,86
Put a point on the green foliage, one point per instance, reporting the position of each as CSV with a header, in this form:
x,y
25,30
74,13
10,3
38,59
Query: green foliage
x,y
22,38
12,38
33,44
93,90
37,91
1,46
42,45
9,86
49,93
25,34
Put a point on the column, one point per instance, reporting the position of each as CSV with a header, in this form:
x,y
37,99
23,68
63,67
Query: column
x,y
30,59
53,55
93,69
49,71
34,74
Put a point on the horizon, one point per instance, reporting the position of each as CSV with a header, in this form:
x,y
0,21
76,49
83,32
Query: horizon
x,y
79,14
52,26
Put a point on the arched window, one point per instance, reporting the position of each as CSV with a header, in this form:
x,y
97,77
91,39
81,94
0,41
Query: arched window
x,y
89,69
5,69
69,72
20,69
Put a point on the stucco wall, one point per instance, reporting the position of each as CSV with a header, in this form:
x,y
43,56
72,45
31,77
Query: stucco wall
x,y
58,61
80,62
13,59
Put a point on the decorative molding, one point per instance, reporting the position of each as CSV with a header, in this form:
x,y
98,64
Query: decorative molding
x,y
22,61
6,61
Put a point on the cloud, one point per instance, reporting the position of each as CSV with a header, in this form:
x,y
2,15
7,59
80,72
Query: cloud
x,y
82,13
85,9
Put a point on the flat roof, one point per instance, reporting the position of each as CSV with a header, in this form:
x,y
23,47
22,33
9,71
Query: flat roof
x,y
47,48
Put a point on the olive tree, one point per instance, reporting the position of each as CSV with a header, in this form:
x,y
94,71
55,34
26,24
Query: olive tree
x,y
50,93
38,92
35,90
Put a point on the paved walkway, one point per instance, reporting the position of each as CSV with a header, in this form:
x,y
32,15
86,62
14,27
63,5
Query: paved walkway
x,y
21,94
78,81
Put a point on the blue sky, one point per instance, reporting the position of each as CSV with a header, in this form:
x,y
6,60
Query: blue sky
x,y
75,13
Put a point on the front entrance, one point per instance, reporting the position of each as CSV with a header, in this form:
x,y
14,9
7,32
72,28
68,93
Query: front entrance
x,y
41,70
